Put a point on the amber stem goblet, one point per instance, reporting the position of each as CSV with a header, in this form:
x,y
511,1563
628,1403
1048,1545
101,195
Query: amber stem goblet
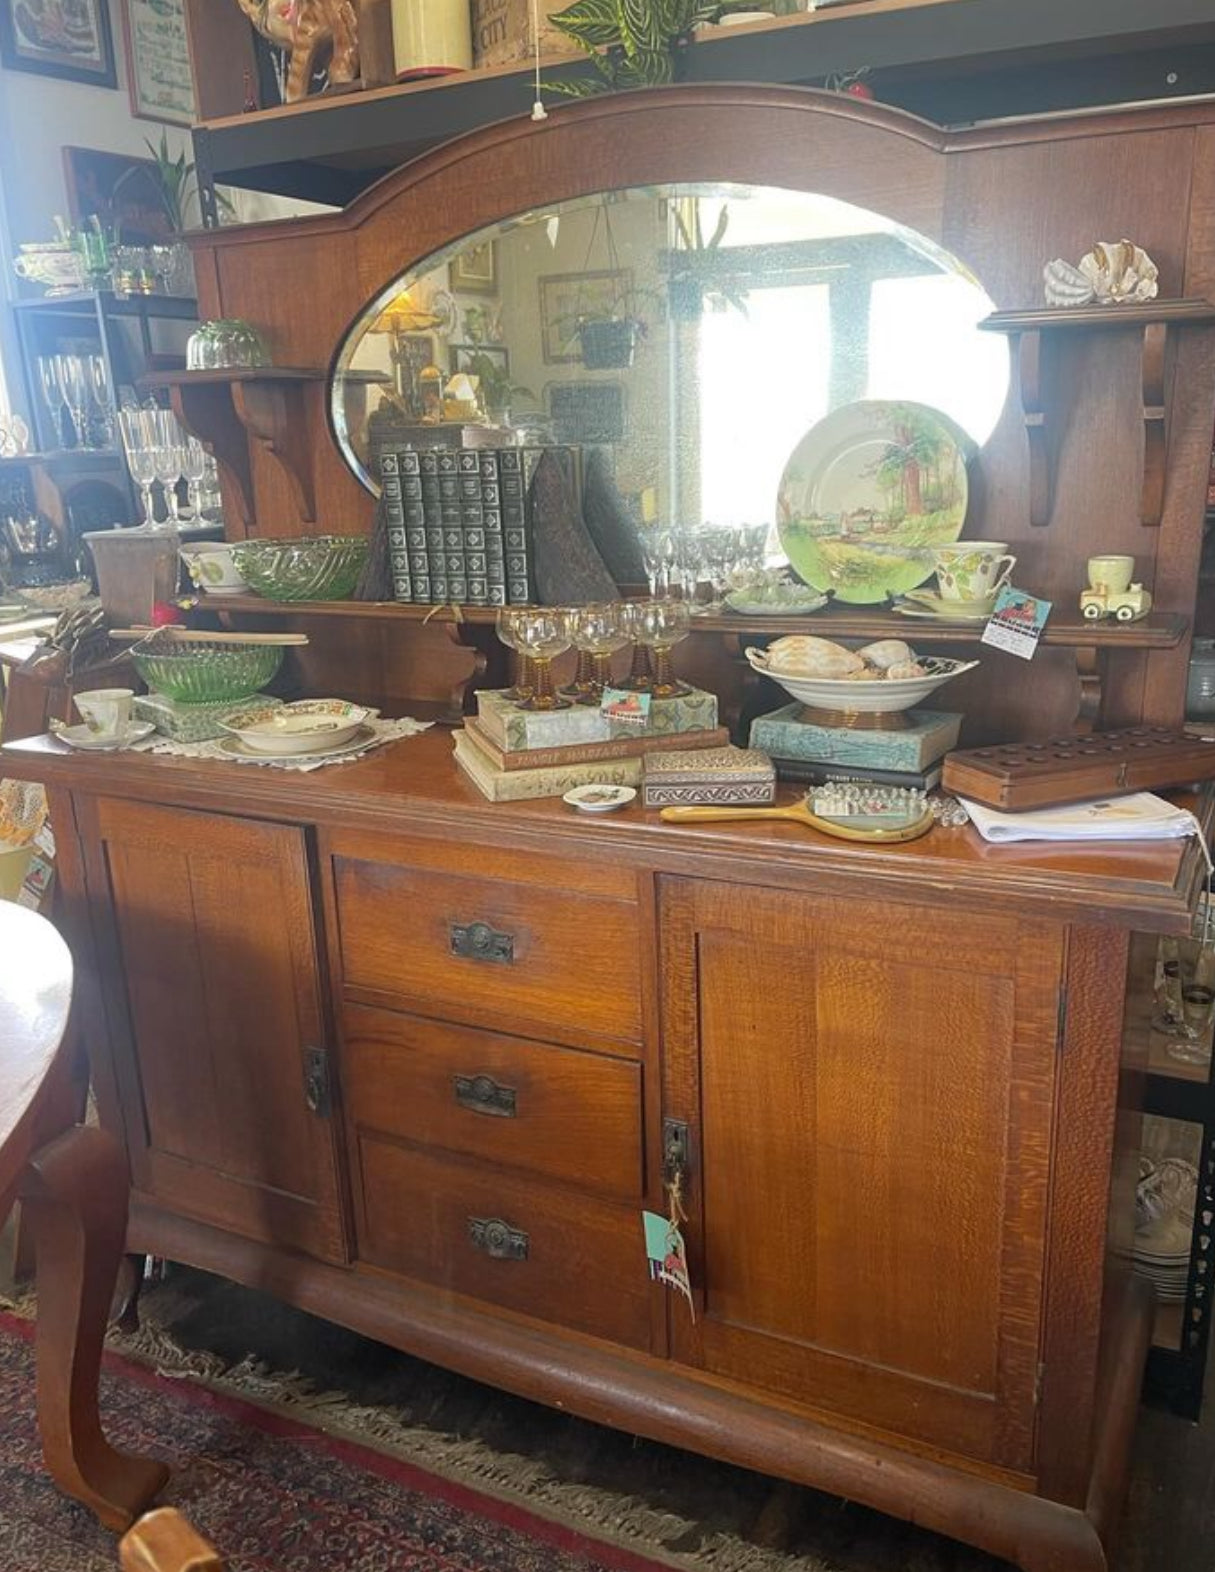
x,y
507,626
660,625
597,634
582,689
543,634
640,678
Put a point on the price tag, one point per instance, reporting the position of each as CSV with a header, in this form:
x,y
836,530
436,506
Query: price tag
x,y
1016,623
667,1255
618,704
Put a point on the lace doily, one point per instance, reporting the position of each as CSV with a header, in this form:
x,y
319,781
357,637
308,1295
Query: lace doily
x,y
383,731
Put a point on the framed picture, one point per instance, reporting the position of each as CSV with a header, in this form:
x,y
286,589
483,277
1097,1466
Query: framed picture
x,y
586,412
463,357
64,38
475,270
565,298
123,192
158,61
415,350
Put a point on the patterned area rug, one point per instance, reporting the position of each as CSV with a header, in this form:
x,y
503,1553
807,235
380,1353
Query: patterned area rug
x,y
273,1494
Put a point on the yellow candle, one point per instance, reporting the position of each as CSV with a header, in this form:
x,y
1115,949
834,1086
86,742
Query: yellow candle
x,y
431,37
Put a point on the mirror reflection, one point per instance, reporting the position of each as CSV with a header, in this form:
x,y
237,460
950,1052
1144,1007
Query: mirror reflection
x,y
695,333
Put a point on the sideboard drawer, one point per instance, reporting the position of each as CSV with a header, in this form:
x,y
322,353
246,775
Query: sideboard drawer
x,y
553,961
558,1112
542,1250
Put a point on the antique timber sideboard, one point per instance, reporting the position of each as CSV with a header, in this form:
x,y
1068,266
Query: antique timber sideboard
x,y
889,1077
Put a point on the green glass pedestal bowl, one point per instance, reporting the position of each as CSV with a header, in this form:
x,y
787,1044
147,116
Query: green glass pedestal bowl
x,y
317,567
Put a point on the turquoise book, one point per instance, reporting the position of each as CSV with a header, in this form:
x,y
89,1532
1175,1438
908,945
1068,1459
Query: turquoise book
x,y
927,737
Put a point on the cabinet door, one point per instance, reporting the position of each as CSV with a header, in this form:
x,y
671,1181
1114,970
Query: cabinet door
x,y
869,1094
213,1002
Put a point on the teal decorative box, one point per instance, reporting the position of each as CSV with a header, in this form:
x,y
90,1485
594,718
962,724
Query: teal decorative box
x,y
928,736
513,729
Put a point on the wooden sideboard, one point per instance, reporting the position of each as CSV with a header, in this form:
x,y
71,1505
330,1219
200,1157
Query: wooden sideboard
x,y
416,1064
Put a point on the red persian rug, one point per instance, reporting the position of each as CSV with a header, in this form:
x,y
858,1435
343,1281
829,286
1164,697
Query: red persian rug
x,y
272,1494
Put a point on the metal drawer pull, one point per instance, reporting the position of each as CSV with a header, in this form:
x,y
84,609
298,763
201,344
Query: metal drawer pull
x,y
499,1240
481,1094
477,941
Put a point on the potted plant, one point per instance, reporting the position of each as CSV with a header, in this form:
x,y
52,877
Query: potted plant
x,y
497,389
631,44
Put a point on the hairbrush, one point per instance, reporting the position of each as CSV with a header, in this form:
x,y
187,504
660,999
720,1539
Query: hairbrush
x,y
849,810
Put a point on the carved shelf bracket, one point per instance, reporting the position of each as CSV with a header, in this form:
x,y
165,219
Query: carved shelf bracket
x,y
1090,668
273,415
206,412
1152,321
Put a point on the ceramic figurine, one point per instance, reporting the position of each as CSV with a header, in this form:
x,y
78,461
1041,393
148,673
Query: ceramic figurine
x,y
1111,592
308,30
1112,273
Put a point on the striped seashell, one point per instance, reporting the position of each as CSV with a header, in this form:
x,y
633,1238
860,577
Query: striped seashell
x,y
1066,285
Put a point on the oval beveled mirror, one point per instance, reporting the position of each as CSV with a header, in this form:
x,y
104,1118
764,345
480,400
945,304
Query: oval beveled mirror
x,y
696,331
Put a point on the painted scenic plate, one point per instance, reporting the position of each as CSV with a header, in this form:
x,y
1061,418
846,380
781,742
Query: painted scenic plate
x,y
868,493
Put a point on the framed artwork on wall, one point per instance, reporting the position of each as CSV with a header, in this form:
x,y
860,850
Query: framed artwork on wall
x,y
158,61
122,191
464,357
568,298
588,412
475,270
70,39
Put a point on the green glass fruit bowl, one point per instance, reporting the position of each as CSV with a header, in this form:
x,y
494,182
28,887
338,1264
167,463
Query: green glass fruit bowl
x,y
317,567
194,672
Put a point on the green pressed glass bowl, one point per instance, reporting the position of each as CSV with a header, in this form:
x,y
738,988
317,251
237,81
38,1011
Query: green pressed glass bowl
x,y
202,673
317,567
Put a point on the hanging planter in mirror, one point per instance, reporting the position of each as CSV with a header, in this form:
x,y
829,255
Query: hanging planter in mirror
x,y
609,345
631,43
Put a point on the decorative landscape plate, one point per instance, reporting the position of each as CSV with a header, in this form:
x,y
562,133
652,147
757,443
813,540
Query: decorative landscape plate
x,y
866,496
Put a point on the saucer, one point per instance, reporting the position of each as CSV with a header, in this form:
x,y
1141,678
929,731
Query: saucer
x,y
926,604
86,741
600,798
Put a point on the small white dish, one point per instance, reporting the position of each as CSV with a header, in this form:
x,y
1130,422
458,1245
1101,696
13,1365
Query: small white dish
x,y
237,749
87,741
812,602
599,798
307,726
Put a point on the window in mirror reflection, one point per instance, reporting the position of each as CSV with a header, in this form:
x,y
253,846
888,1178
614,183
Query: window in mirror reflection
x,y
694,333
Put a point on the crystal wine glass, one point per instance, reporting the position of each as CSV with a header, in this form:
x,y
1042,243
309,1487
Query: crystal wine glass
x,y
99,387
138,442
52,392
73,379
658,556
659,625
543,635
507,625
194,468
167,460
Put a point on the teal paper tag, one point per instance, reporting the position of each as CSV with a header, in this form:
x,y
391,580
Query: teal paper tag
x,y
620,705
668,1255
1017,622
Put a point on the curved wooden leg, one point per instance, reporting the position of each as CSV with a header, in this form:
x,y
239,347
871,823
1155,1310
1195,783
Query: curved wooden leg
x,y
75,1198
164,1542
125,1311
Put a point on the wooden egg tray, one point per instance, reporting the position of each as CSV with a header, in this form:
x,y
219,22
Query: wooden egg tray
x,y
1074,769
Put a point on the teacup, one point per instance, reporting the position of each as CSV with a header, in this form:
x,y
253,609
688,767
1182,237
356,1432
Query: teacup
x,y
973,570
106,711
1111,574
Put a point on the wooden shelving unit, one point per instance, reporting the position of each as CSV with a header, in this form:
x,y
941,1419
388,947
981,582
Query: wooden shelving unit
x,y
330,148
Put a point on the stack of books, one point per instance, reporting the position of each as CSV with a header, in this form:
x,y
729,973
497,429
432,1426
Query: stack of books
x,y
511,754
816,755
459,523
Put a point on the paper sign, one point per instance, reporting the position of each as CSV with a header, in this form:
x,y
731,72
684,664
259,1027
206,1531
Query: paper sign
x,y
620,705
1016,623
668,1255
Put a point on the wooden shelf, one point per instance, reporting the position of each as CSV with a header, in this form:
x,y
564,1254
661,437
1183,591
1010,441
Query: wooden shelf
x,y
330,148
188,379
1152,321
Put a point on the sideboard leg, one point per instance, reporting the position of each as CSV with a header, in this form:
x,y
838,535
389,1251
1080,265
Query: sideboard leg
x,y
131,1272
75,1198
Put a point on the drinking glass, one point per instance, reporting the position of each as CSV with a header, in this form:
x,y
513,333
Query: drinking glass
x,y
597,634
99,387
194,469
1185,994
73,379
543,635
52,392
138,441
507,625
658,556
640,678
168,459
660,625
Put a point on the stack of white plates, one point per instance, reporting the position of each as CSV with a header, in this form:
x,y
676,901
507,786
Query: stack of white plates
x,y
1162,1255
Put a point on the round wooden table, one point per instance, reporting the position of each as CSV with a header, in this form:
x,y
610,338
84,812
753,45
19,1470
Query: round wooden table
x,y
72,1183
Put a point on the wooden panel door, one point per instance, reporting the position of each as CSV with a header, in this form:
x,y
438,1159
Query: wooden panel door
x,y
869,1093
213,1004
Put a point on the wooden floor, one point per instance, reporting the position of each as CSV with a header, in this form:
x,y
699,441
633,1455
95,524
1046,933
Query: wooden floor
x,y
1169,1526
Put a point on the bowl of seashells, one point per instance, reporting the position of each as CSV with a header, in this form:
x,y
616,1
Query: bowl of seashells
x,y
878,679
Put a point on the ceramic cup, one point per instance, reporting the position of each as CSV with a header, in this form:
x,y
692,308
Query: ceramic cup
x,y
1111,574
106,711
973,569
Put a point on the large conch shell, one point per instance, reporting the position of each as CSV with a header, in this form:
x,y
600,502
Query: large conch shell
x,y
803,656
1114,273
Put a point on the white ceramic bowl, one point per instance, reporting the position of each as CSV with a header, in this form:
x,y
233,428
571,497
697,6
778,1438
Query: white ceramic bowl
x,y
879,697
309,725
212,568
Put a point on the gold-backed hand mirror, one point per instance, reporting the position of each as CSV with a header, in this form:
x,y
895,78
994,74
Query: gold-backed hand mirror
x,y
695,331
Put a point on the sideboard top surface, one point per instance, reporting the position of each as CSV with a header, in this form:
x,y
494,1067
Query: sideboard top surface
x,y
414,786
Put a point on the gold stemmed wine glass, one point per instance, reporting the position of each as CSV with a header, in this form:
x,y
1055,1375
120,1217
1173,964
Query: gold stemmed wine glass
x,y
507,625
659,625
640,678
597,634
543,634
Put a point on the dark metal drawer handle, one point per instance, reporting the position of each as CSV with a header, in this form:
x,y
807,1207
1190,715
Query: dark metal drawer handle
x,y
481,1094
499,1240
477,941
